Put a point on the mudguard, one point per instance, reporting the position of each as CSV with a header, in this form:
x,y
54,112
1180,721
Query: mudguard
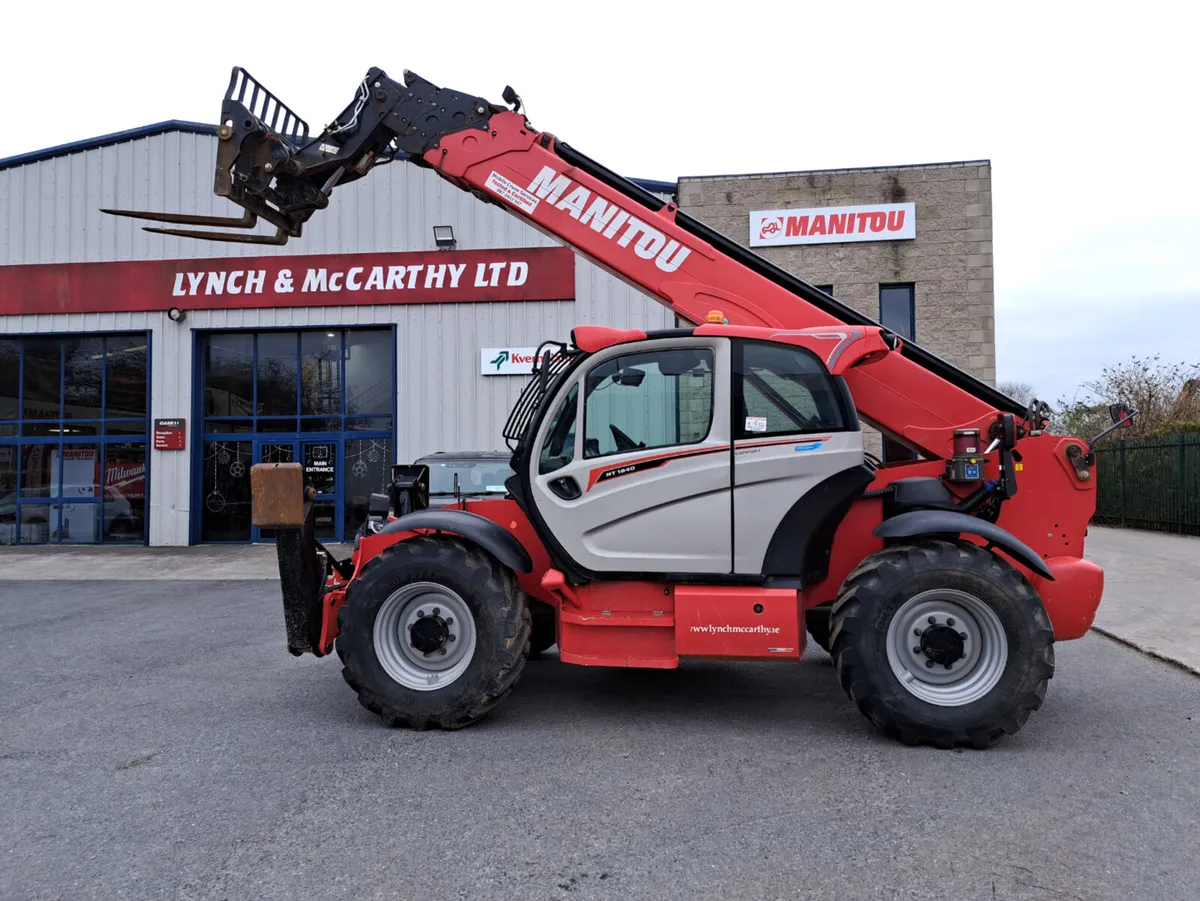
x,y
471,526
944,522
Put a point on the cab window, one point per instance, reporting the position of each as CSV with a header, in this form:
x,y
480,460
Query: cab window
x,y
652,399
783,390
558,448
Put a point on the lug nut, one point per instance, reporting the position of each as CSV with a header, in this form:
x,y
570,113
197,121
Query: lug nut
x,y
442,651
949,665
918,633
933,620
452,637
437,610
929,663
950,622
916,650
962,635
449,620
420,613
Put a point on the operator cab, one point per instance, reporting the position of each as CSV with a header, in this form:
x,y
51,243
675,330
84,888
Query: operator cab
x,y
707,451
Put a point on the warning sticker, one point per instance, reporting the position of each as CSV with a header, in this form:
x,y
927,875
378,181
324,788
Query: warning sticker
x,y
756,423
511,191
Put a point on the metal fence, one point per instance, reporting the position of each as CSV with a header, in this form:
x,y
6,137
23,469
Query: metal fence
x,y
1150,483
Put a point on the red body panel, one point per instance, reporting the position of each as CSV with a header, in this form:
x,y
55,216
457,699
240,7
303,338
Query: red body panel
x,y
737,621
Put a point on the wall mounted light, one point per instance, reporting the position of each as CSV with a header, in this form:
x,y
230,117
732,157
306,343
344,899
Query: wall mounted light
x,y
176,315
443,237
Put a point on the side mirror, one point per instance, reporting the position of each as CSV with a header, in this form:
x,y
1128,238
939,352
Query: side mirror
x,y
378,504
409,488
1121,415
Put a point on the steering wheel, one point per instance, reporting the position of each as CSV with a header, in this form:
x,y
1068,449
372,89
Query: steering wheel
x,y
624,442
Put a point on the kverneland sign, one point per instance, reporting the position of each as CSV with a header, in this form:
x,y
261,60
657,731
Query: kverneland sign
x,y
468,276
833,225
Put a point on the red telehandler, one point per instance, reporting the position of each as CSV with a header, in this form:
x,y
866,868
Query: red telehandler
x,y
695,492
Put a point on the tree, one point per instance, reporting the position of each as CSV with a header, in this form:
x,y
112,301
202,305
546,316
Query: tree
x,y
1165,395
1021,392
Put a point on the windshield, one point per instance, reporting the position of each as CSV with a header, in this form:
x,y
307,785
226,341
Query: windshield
x,y
474,476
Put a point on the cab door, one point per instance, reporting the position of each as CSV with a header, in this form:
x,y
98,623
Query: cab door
x,y
798,454
632,469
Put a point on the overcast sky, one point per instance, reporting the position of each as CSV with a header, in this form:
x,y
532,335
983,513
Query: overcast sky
x,y
1087,112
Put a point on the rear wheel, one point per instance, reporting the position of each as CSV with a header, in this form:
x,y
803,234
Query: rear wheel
x,y
433,633
943,643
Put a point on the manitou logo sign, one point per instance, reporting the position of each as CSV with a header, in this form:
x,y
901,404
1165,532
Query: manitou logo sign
x,y
605,218
833,225
509,360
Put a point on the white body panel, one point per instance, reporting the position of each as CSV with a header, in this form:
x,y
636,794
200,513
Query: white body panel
x,y
771,475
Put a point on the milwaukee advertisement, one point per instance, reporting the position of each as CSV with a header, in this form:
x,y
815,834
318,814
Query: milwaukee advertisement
x,y
833,225
466,276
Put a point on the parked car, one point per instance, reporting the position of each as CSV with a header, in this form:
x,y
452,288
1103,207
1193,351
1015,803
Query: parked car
x,y
480,473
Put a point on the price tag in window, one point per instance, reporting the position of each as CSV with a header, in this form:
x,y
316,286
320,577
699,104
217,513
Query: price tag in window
x,y
756,423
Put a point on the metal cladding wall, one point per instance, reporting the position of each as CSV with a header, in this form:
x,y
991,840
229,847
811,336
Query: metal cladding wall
x,y
50,213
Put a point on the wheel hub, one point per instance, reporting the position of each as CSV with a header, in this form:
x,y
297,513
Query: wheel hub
x,y
425,636
943,644
946,647
429,634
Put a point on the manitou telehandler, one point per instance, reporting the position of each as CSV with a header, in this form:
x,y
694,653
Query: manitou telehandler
x,y
695,492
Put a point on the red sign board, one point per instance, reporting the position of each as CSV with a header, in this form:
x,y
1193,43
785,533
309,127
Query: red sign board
x,y
445,276
170,434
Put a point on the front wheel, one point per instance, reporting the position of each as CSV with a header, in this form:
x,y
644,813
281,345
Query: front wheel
x,y
433,633
942,643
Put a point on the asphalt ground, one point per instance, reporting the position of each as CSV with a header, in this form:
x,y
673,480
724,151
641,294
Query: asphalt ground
x,y
157,741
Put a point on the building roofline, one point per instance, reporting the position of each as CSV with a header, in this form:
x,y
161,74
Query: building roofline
x,y
197,128
751,175
116,137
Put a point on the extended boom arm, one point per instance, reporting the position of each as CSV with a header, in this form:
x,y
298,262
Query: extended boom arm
x,y
268,164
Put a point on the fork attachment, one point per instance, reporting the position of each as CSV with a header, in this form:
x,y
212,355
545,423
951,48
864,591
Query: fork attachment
x,y
269,165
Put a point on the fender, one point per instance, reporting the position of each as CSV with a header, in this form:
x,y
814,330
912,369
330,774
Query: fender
x,y
929,522
803,538
471,526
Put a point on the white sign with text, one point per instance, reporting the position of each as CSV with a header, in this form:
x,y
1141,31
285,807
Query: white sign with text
x,y
833,225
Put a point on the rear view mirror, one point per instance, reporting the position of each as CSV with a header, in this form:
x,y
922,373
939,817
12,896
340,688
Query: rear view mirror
x,y
1120,415
629,377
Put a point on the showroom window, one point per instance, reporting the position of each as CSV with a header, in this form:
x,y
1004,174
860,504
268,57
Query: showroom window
x,y
324,398
73,425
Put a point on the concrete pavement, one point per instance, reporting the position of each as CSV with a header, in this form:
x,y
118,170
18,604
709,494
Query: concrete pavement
x,y
158,742
1151,596
1151,591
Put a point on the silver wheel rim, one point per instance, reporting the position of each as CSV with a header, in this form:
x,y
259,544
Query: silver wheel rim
x,y
919,641
440,617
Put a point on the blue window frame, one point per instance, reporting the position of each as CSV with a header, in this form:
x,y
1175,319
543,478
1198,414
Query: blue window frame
x,y
74,412
323,397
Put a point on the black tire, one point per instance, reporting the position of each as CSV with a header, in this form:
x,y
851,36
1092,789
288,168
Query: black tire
x,y
542,637
874,592
501,619
817,622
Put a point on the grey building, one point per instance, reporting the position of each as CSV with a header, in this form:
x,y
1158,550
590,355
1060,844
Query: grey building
x,y
142,375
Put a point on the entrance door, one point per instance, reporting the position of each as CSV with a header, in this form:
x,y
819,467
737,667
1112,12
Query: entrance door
x,y
272,452
320,460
